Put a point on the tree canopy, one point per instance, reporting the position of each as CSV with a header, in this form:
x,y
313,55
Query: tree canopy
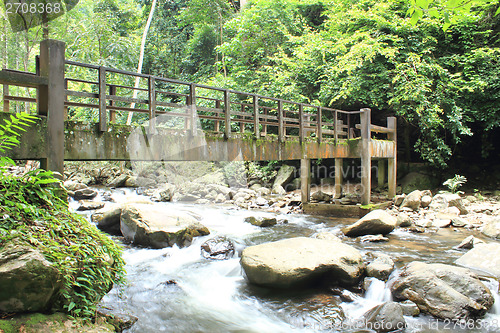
x,y
433,64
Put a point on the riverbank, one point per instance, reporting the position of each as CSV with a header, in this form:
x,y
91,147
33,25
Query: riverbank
x,y
51,259
275,191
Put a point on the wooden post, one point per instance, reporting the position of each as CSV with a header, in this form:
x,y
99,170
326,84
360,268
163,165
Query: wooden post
x,y
192,108
320,124
281,127
381,173
112,113
338,177
217,123
365,156
51,103
6,102
102,100
335,129
392,162
301,123
256,124
305,179
227,114
152,105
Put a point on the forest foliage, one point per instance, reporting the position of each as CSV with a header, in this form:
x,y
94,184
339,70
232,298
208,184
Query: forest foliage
x,y
433,64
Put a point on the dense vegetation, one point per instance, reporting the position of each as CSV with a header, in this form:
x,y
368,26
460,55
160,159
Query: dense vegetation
x,y
34,212
443,85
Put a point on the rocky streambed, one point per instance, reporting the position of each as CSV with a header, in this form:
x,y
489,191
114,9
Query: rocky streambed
x,y
222,268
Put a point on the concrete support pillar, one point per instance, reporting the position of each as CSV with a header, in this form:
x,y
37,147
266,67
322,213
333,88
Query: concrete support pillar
x,y
365,156
51,102
305,179
392,162
381,170
338,177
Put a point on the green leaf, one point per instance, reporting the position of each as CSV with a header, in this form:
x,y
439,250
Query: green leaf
x,y
46,181
424,4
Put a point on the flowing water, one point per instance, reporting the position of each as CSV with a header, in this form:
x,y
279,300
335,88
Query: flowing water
x,y
177,290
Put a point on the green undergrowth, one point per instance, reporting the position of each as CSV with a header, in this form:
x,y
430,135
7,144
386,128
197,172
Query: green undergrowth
x,y
32,212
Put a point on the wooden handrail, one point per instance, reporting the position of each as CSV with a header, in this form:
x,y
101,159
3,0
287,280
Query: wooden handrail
x,y
378,129
267,114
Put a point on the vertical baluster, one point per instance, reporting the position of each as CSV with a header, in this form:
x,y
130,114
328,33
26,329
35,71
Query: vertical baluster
x,y
152,104
281,124
217,123
6,102
192,109
301,123
256,123
320,125
227,114
112,113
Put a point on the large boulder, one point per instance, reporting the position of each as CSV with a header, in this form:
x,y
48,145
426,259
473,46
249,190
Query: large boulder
x,y
301,260
483,257
492,229
386,317
418,181
373,223
444,291
28,281
285,174
159,227
412,200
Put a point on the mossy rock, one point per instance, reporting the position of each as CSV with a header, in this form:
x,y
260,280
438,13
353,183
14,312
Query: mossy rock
x,y
54,323
28,282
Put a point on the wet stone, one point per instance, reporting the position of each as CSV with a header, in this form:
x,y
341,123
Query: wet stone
x,y
261,221
218,248
90,205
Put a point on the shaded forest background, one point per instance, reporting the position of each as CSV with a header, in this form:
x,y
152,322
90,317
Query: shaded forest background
x,y
444,86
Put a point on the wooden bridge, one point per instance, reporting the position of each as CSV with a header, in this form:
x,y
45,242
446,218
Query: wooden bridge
x,y
184,121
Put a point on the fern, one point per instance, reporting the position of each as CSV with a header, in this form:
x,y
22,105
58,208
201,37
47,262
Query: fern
x,y
10,132
454,183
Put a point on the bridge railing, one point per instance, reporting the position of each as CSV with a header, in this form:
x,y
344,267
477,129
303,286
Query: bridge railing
x,y
223,111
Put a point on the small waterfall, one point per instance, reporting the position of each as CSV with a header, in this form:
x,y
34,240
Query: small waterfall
x,y
493,285
378,291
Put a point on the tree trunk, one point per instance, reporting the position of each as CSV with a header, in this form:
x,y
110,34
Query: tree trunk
x,y
141,57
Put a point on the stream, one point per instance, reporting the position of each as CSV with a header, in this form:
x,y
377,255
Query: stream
x,y
177,290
